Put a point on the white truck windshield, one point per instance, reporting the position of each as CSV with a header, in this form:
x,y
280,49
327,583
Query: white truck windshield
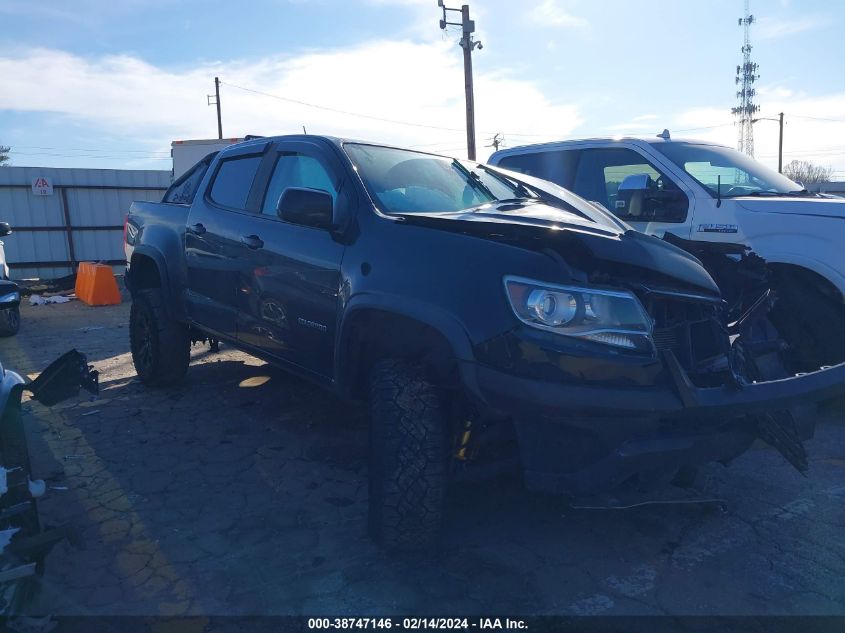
x,y
727,172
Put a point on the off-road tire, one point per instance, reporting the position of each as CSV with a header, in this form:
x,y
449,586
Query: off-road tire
x,y
811,322
161,346
10,321
408,465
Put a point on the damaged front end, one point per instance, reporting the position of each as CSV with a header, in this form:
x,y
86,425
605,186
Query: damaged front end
x,y
590,417
24,544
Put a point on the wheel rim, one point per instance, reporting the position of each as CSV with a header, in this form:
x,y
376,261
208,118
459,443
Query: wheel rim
x,y
14,319
144,336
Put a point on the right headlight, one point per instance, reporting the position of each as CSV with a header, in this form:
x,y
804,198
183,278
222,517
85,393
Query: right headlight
x,y
611,317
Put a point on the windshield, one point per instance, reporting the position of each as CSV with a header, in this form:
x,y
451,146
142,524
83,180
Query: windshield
x,y
727,171
404,181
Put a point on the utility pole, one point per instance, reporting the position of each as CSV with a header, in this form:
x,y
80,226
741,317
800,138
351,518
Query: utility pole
x,y
468,44
779,120
216,97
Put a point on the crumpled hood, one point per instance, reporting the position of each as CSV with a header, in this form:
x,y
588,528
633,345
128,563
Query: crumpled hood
x,y
818,207
597,249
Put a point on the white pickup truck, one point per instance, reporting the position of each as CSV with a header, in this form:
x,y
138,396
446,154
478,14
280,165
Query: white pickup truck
x,y
713,195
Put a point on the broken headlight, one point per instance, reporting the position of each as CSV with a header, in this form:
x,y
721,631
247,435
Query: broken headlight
x,y
610,317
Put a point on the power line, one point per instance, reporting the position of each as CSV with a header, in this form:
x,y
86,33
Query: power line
x,y
373,117
816,118
338,111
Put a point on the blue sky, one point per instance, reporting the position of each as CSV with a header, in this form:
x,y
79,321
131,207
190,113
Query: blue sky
x,y
109,84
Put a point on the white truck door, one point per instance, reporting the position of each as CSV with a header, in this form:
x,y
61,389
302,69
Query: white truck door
x,y
668,205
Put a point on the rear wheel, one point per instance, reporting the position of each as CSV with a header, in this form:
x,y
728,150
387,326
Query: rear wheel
x,y
161,346
10,321
408,463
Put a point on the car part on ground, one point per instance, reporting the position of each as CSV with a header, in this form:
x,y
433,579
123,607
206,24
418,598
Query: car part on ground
x,y
482,322
10,315
24,544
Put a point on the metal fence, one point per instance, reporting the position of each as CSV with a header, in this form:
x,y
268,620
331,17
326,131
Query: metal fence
x,y
60,217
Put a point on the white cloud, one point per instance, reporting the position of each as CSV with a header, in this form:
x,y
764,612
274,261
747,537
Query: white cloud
x,y
551,13
774,28
122,95
814,128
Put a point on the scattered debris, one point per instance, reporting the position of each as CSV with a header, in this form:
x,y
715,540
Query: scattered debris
x,y
37,488
38,300
67,457
94,412
6,537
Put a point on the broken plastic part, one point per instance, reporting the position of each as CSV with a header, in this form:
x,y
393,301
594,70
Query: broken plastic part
x,y
37,488
63,378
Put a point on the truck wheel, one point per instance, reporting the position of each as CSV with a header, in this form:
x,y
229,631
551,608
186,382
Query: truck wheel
x,y
408,463
161,346
811,323
10,321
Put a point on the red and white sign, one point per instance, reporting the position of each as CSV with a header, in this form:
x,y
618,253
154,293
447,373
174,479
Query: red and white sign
x,y
42,186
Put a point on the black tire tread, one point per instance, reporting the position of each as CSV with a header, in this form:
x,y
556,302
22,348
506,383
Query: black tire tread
x,y
408,458
6,327
171,344
811,322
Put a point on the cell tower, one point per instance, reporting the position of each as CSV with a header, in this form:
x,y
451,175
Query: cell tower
x,y
746,75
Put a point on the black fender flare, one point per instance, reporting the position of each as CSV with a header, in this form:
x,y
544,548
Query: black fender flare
x,y
168,286
11,387
438,319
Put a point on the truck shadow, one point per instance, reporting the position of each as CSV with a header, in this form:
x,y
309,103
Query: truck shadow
x,y
243,491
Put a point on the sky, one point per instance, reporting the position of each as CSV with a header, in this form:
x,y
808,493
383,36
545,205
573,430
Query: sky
x,y
99,83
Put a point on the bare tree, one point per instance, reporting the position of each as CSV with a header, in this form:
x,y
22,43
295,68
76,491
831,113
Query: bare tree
x,y
804,171
4,154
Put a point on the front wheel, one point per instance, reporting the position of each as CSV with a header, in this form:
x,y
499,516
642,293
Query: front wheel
x,y
10,321
161,346
408,466
811,322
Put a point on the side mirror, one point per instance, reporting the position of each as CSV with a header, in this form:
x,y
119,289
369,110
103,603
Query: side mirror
x,y
10,295
630,201
308,207
5,229
641,198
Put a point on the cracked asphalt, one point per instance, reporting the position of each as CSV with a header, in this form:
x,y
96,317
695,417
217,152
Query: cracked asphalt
x,y
243,492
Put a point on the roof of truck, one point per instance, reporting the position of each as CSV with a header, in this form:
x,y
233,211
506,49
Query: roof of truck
x,y
651,139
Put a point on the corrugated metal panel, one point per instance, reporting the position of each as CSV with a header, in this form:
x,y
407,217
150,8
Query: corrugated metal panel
x,y
86,207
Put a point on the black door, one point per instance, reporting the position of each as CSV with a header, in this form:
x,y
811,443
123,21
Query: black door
x,y
212,242
287,307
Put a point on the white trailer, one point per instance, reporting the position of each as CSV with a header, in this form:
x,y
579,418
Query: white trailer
x,y
186,154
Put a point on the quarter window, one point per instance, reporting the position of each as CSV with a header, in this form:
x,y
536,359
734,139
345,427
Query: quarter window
x,y
234,180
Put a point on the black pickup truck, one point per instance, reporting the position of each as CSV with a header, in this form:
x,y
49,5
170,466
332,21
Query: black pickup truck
x,y
480,322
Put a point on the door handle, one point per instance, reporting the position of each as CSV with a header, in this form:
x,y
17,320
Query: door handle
x,y
252,241
196,229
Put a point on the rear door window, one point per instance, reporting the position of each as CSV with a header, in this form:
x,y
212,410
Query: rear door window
x,y
233,181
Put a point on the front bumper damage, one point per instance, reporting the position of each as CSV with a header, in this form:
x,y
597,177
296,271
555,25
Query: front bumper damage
x,y
583,439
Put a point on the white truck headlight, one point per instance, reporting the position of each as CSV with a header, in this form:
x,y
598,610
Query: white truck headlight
x,y
610,317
